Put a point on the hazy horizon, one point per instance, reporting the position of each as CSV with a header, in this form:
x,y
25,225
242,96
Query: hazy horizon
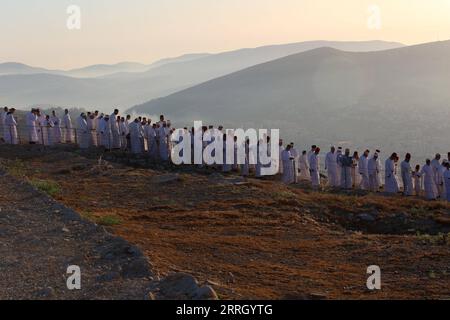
x,y
141,31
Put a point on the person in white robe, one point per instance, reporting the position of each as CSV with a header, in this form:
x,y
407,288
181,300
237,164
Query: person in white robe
x,y
10,130
315,169
163,142
105,133
338,166
288,165
304,167
441,183
67,126
346,171
418,181
57,131
82,131
446,177
355,172
374,169
406,173
429,182
41,127
363,167
123,130
30,121
280,158
331,167
115,143
136,137
226,167
390,179
245,167
296,154
3,113
49,126
92,132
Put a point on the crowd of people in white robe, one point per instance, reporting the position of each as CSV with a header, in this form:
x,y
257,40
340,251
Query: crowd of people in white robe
x,y
344,170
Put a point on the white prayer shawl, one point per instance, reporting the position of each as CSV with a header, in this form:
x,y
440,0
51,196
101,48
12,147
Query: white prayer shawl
x,y
418,182
446,176
364,172
390,182
315,170
82,133
135,137
10,130
431,192
30,121
115,143
304,168
105,134
57,132
331,167
288,167
67,125
374,169
406,173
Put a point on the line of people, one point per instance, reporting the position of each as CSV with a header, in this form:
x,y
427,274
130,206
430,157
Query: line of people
x,y
351,171
344,170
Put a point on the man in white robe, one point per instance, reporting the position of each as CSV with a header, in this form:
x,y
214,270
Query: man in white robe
x,y
288,165
115,129
406,173
67,126
10,130
429,182
105,133
374,168
436,165
136,135
57,131
364,170
296,154
390,182
304,166
280,158
31,122
446,176
3,114
315,169
92,133
163,142
346,162
331,167
123,130
82,132
41,127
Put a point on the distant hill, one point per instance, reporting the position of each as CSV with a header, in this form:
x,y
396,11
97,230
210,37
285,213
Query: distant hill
x,y
398,99
9,68
124,89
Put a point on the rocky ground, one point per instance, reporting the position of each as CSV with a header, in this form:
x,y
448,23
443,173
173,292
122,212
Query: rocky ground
x,y
246,238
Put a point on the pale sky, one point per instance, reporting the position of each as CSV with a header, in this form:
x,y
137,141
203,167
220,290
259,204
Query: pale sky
x,y
35,32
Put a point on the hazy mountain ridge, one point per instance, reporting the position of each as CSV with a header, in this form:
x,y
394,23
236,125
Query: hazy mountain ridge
x,y
396,98
126,89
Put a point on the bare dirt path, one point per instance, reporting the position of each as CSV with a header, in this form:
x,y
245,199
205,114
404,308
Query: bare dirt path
x,y
40,238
